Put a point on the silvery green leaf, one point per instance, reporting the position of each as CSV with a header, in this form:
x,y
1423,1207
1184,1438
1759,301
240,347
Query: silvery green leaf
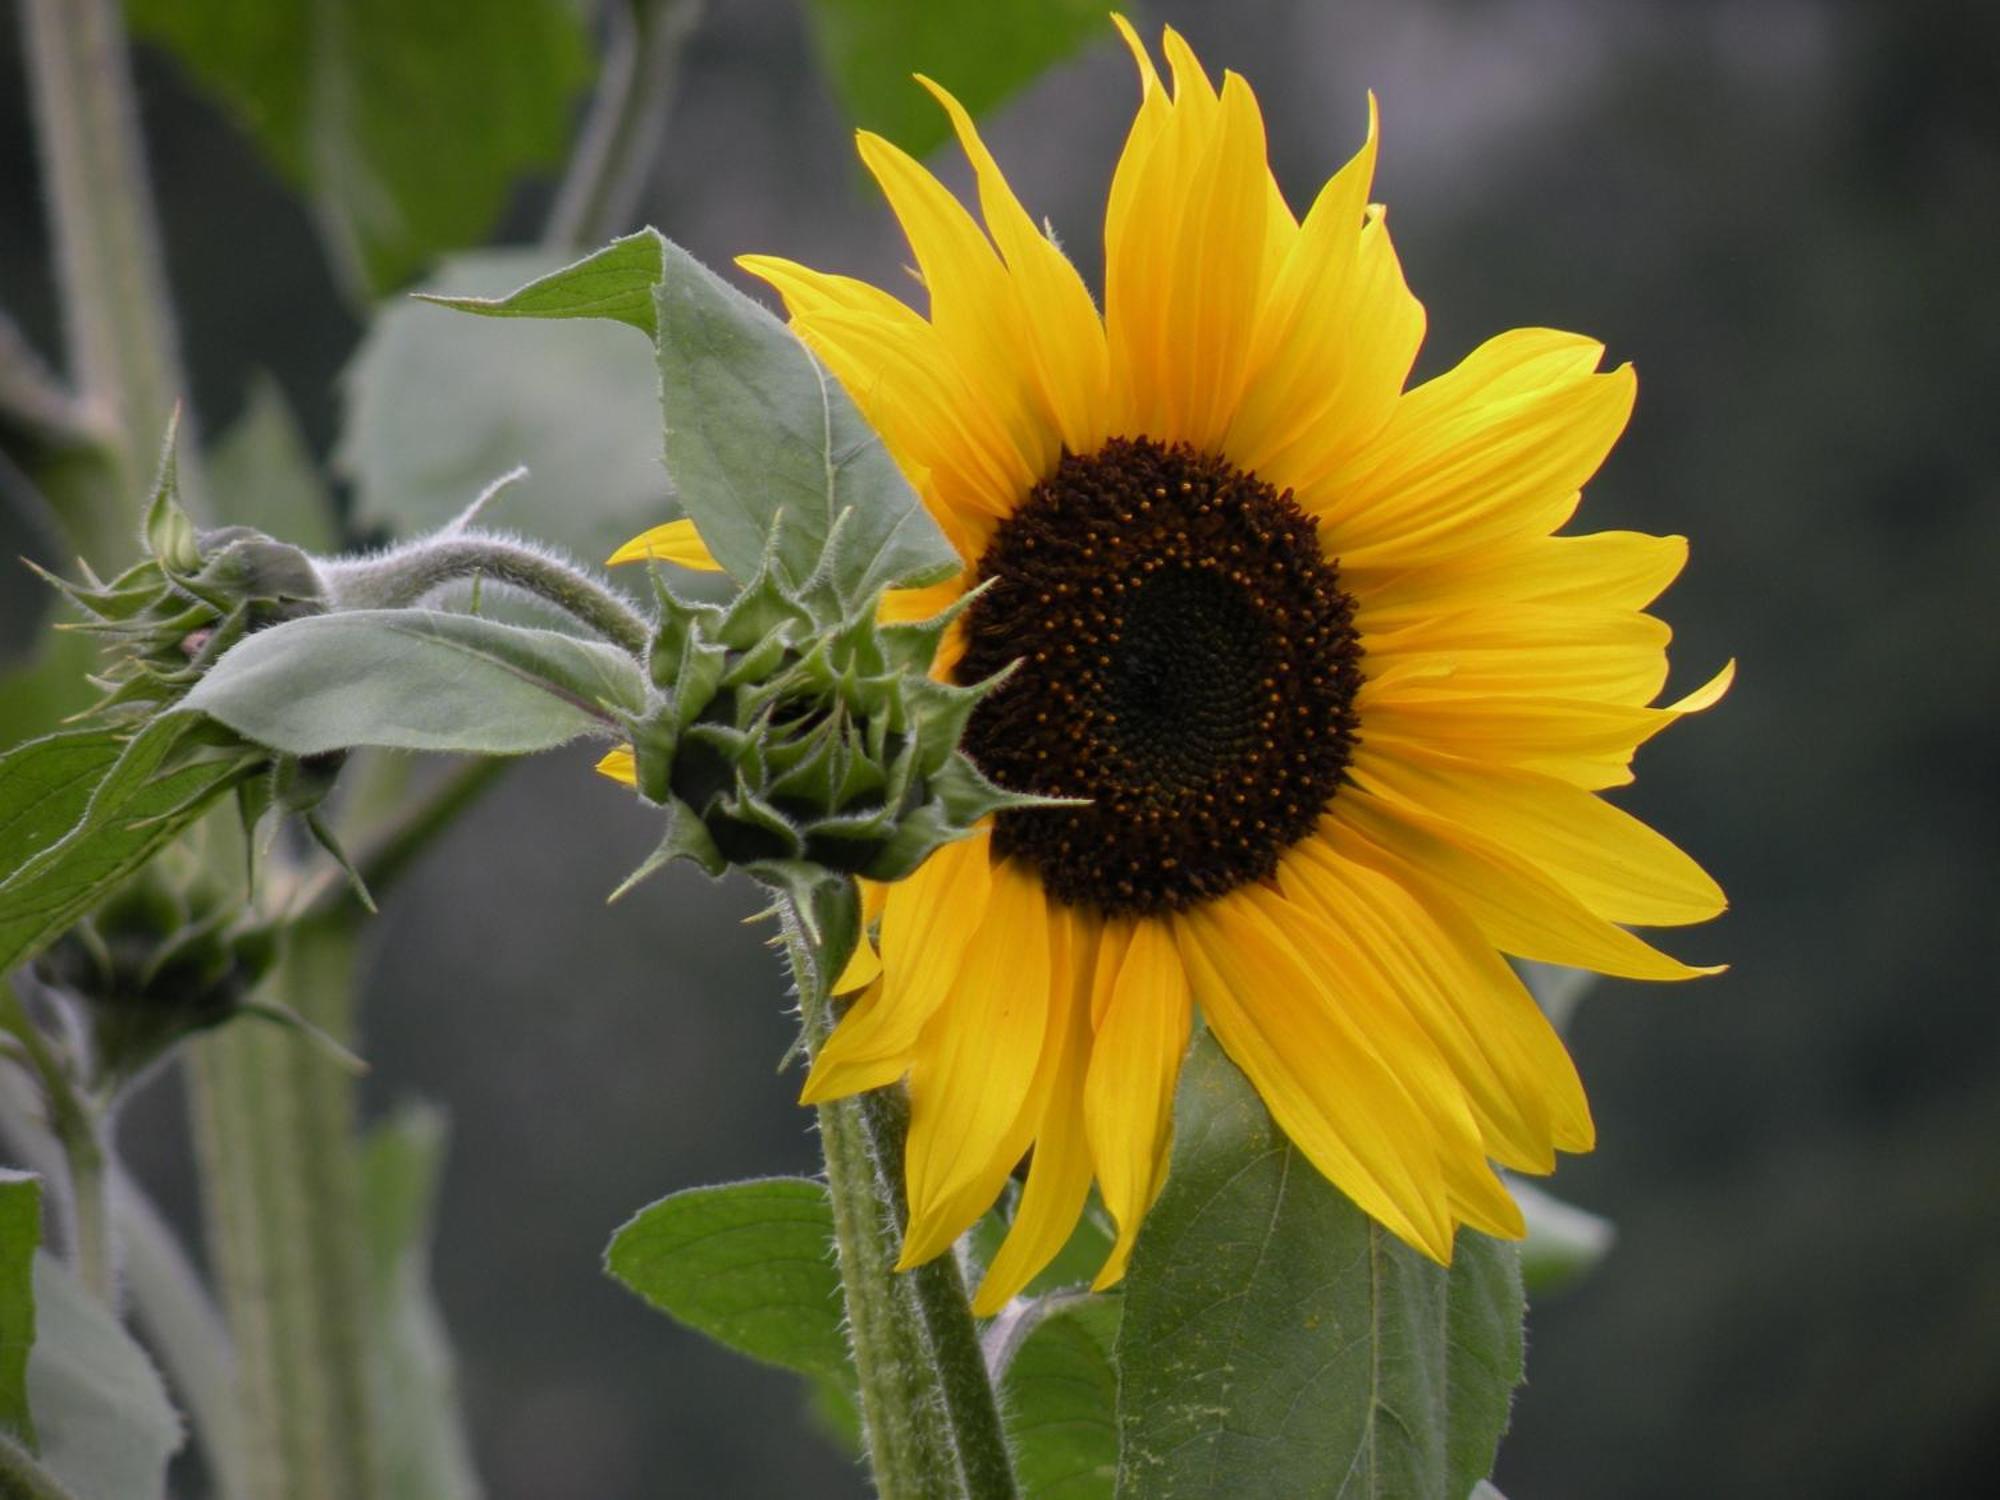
x,y
411,679
107,1429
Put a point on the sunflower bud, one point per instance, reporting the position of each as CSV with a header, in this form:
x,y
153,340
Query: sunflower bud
x,y
169,955
167,618
790,734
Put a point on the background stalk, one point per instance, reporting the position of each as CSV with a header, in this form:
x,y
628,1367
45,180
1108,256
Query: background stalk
x,y
927,1404
275,1126
117,318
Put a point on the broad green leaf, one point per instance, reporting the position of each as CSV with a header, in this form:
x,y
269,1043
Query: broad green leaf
x,y
616,282
20,1238
107,1429
164,779
261,474
1277,1341
1564,1241
1060,1394
750,1264
757,430
44,787
408,679
404,121
437,407
425,1452
981,51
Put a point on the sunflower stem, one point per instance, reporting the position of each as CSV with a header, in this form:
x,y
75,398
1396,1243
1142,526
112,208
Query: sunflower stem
x,y
927,1404
406,575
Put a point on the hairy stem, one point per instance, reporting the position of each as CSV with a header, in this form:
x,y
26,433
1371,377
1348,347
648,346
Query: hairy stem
x,y
77,1123
275,1127
932,1422
607,172
117,320
406,575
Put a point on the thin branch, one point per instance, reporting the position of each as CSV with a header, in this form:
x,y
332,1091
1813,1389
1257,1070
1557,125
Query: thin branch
x,y
606,178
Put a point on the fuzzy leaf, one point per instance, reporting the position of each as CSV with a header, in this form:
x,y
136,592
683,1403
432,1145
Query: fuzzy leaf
x,y
981,51
405,121
106,1426
20,1238
1277,1341
437,407
133,810
409,679
758,430
751,1265
616,282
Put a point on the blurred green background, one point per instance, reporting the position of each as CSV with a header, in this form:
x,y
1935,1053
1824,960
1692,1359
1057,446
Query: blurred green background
x,y
1786,213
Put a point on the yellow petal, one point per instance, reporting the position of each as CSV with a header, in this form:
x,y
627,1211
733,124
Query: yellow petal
x,y
1604,570
1492,451
1528,650
927,921
619,765
973,1087
1339,1102
1334,341
676,542
1059,1173
1519,909
1128,1098
1184,256
1518,1080
1065,346
1615,865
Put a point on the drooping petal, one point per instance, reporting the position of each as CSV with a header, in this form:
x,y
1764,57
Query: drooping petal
x,y
1518,1079
927,923
1492,451
983,1069
1615,865
1319,1074
1135,1060
1519,909
1059,1173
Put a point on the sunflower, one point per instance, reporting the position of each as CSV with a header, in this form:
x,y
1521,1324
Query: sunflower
x,y
1339,700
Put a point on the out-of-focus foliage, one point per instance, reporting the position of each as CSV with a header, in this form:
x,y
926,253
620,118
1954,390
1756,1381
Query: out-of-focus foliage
x,y
981,50
405,122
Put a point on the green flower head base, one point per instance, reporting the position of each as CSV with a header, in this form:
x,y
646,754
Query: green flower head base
x,y
168,618
791,734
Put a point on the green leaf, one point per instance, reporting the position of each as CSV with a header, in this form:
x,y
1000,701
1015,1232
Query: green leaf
x,y
750,1264
107,1428
409,679
425,1452
1564,1242
20,1238
262,475
755,426
616,282
161,782
404,121
437,407
758,430
1277,1341
981,51
1061,1394
45,785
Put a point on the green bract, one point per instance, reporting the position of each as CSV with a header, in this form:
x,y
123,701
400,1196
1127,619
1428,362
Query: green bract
x,y
171,616
791,734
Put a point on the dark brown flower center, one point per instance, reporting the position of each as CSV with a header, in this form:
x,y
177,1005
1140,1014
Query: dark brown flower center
x,y
1188,663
